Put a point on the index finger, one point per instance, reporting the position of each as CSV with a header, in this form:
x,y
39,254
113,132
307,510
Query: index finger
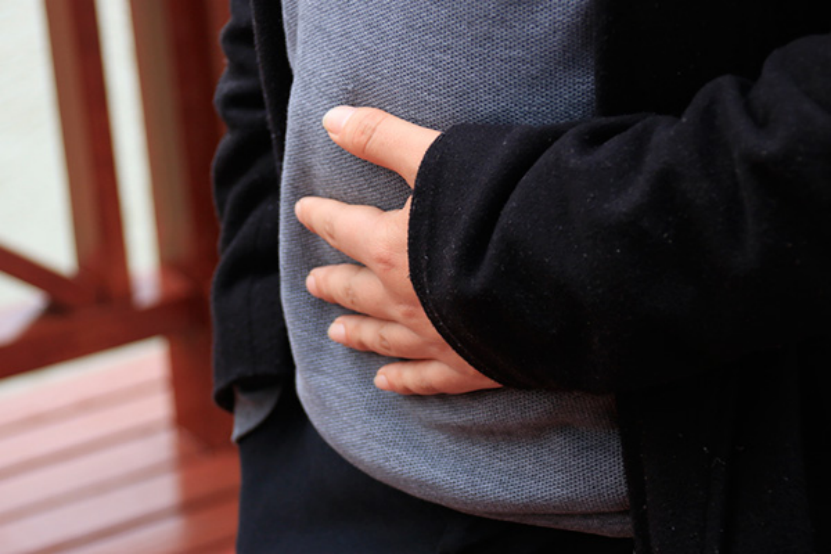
x,y
344,226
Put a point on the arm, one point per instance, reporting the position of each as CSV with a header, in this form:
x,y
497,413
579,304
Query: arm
x,y
250,343
623,252
616,253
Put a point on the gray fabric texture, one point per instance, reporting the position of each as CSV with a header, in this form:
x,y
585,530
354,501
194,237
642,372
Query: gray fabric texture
x,y
538,457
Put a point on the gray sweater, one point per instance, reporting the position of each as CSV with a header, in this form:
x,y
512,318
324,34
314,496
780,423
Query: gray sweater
x,y
549,458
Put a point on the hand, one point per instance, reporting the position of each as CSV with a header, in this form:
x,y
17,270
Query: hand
x,y
393,322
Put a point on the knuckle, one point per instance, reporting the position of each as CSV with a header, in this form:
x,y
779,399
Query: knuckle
x,y
348,297
402,388
409,312
430,388
434,350
422,383
389,252
384,260
398,380
359,342
383,341
327,229
361,129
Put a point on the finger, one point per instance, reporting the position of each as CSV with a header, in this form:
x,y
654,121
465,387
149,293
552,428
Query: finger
x,y
387,338
344,226
380,138
354,287
429,377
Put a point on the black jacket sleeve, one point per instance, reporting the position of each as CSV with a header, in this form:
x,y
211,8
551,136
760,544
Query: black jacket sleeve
x,y
250,340
627,251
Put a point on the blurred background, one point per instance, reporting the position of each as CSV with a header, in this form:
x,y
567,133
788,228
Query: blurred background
x,y
109,441
35,215
34,206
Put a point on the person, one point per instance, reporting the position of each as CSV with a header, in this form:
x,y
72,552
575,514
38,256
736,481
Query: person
x,y
657,262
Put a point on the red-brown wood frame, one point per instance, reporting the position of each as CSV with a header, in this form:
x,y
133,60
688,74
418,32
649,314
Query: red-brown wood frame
x,y
96,309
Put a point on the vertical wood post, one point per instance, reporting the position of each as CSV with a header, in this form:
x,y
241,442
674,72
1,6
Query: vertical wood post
x,y
175,49
82,98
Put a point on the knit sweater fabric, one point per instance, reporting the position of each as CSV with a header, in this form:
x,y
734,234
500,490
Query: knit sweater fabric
x,y
548,458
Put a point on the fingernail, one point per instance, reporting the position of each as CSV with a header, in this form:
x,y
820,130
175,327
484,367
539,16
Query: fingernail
x,y
297,208
381,382
311,284
337,332
336,118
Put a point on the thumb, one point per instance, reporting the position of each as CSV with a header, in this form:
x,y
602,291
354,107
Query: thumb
x,y
380,138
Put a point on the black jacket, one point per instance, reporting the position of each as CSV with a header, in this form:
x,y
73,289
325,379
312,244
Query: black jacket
x,y
673,250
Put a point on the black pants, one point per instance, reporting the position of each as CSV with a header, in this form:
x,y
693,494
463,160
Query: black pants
x,y
300,497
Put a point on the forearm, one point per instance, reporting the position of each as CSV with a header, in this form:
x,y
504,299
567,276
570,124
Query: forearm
x,y
250,336
628,251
